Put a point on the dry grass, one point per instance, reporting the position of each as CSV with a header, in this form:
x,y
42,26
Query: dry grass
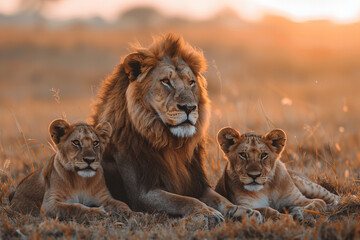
x,y
302,78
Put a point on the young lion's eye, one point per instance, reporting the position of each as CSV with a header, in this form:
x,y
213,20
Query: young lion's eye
x,y
96,143
263,156
243,155
192,83
76,143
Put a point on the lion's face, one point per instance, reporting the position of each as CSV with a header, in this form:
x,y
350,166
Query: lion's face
x,y
81,151
166,96
252,157
174,97
80,145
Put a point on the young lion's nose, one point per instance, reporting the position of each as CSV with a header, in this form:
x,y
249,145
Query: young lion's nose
x,y
254,175
89,160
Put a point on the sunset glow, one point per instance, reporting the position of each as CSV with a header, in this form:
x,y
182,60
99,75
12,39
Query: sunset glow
x,y
298,10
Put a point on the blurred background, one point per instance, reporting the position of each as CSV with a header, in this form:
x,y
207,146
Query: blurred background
x,y
288,64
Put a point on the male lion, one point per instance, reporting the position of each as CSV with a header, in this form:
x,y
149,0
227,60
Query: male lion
x,y
255,177
157,102
72,183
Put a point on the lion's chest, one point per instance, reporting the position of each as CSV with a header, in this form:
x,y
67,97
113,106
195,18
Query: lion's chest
x,y
253,200
260,199
84,199
177,178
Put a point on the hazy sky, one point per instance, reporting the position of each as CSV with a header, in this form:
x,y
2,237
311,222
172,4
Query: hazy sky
x,y
298,10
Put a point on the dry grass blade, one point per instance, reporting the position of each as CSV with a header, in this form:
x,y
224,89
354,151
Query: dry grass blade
x,y
314,212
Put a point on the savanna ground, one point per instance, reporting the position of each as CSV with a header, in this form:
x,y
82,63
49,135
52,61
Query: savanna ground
x,y
301,77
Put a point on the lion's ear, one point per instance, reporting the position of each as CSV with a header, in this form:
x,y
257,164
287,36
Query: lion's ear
x,y
104,130
276,140
57,129
133,65
228,137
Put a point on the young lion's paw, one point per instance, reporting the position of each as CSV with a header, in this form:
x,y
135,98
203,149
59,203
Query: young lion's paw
x,y
269,213
297,214
318,205
239,213
124,211
102,209
98,212
137,214
254,214
90,214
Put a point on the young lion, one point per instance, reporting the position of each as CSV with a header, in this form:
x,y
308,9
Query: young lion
x,y
71,184
255,177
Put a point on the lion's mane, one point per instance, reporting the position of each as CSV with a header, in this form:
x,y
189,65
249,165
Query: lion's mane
x,y
161,159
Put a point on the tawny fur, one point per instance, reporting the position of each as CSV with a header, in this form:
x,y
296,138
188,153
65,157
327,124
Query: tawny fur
x,y
313,190
256,178
71,184
29,194
157,152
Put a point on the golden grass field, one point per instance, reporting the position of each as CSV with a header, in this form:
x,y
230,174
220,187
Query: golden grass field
x,y
301,77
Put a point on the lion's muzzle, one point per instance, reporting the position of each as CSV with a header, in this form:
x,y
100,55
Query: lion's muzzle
x,y
186,108
181,121
254,175
253,181
184,125
89,160
87,168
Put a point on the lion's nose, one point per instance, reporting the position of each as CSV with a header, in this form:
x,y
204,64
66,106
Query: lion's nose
x,y
89,160
254,175
186,108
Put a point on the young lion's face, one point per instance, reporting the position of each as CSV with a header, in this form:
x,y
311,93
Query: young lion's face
x,y
252,157
80,145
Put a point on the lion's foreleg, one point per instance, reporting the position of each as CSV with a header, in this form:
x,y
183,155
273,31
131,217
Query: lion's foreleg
x,y
114,206
72,210
269,213
215,200
161,201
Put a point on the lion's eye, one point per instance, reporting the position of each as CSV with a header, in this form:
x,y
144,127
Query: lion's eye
x,y
166,82
243,155
96,143
192,83
76,143
263,156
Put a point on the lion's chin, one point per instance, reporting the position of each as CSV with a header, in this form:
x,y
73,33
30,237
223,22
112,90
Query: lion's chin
x,y
253,187
86,173
183,131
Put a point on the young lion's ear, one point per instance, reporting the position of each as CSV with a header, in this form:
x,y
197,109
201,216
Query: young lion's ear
x,y
227,137
57,129
104,130
276,140
133,65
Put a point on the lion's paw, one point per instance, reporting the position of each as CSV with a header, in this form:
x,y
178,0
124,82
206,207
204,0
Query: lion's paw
x,y
239,213
210,216
254,214
318,205
297,214
102,209
99,212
